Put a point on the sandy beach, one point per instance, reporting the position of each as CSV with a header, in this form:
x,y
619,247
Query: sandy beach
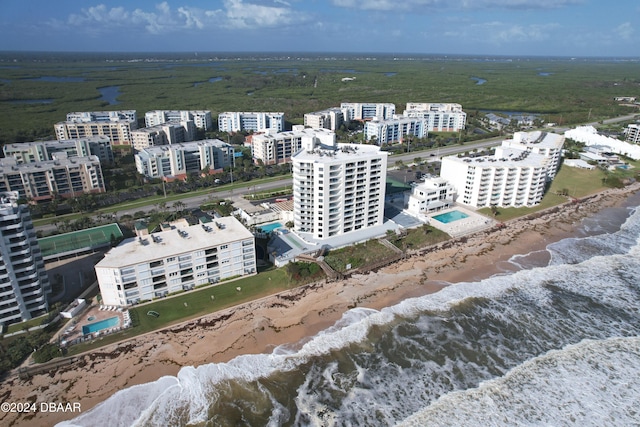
x,y
292,316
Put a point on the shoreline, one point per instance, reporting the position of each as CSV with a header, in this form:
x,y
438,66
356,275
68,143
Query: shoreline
x,y
291,317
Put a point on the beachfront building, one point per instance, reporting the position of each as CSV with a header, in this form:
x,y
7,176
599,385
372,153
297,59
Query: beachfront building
x,y
367,110
276,148
39,151
337,188
24,284
394,130
64,176
545,143
430,195
331,118
589,136
633,134
200,118
511,177
178,258
235,121
163,134
176,161
446,117
116,125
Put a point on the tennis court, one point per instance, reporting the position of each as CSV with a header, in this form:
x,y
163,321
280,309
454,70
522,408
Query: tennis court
x,y
79,240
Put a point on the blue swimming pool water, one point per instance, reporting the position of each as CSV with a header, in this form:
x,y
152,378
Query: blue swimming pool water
x,y
98,326
448,217
268,228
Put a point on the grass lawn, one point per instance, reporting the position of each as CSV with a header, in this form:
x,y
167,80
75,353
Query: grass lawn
x,y
357,255
420,237
195,304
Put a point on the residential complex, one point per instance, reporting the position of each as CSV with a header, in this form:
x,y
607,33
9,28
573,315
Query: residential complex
x,y
163,134
24,284
39,151
200,118
590,136
516,175
338,188
273,149
250,121
176,259
430,195
367,111
331,118
633,134
394,130
176,161
116,125
65,176
438,117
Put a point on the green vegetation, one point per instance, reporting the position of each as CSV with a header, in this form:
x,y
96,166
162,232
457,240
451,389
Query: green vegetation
x,y
573,91
418,238
358,255
190,305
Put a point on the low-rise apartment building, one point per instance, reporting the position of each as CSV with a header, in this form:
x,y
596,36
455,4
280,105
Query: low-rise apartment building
x,y
67,177
633,134
331,118
430,195
276,148
394,130
39,151
236,121
367,110
176,161
116,125
163,134
176,259
200,118
439,117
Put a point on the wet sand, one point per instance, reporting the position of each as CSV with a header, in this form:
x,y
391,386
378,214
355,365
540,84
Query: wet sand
x,y
292,316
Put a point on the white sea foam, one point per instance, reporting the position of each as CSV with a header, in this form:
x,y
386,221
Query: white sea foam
x,y
380,389
593,383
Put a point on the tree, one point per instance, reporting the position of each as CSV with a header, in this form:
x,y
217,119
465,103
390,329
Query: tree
x,y
179,206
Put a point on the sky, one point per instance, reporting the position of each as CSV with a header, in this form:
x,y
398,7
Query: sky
x,y
458,27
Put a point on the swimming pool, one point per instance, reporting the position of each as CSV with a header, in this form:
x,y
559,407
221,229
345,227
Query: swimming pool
x,y
98,326
268,228
448,217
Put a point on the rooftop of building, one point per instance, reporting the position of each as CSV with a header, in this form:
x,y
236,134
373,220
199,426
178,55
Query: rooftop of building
x,y
10,164
193,145
180,239
339,152
296,131
504,157
537,139
53,143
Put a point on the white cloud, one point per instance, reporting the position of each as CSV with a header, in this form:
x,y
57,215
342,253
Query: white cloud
x,y
624,31
501,33
417,5
235,14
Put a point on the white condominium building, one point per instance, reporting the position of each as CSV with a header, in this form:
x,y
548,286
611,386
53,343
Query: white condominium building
x,y
367,111
633,134
338,189
104,116
273,149
24,284
438,117
331,118
432,194
547,144
509,178
39,151
394,130
179,160
200,118
250,121
163,134
67,177
119,132
177,259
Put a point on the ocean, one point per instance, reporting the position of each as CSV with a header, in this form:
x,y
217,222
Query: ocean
x,y
554,340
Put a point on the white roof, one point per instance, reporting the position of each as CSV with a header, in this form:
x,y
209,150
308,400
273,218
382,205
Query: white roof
x,y
589,136
171,243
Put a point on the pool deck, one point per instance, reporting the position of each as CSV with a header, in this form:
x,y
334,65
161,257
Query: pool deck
x,y
460,227
72,333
